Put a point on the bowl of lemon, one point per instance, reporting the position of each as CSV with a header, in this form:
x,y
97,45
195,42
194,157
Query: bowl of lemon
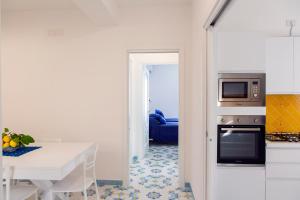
x,y
12,141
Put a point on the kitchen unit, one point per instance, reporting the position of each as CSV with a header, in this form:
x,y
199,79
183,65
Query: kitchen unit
x,y
241,157
283,65
244,42
283,168
283,146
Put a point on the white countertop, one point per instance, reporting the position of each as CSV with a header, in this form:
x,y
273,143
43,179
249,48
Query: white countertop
x,y
291,145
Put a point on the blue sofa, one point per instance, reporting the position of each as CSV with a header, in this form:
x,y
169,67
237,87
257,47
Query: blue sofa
x,y
159,112
162,131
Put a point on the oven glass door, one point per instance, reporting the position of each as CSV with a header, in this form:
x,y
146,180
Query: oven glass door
x,y
234,90
241,144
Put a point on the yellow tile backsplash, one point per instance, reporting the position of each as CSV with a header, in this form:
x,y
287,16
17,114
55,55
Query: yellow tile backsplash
x,y
283,113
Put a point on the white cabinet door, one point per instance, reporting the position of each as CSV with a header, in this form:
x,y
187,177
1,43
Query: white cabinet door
x,y
279,65
297,64
283,189
240,183
282,172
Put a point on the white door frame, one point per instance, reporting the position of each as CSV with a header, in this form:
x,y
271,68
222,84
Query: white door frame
x,y
146,75
181,128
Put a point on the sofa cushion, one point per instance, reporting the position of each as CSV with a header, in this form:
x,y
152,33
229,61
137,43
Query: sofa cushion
x,y
160,113
159,118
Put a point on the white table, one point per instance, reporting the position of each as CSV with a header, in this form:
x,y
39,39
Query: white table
x,y
52,162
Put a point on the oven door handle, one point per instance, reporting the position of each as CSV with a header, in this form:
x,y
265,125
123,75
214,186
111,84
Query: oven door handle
x,y
240,129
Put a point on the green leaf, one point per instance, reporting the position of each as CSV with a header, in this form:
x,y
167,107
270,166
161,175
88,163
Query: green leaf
x,y
16,140
26,139
14,136
6,130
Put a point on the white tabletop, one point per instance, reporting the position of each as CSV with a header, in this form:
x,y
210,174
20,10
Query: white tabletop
x,y
53,161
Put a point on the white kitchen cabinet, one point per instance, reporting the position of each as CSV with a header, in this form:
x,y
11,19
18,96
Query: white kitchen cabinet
x,y
282,171
239,52
297,64
283,189
240,183
279,65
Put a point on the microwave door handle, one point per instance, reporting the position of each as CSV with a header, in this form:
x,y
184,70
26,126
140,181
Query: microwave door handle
x,y
240,129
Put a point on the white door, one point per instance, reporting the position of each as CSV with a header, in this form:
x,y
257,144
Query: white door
x,y
146,109
279,65
297,64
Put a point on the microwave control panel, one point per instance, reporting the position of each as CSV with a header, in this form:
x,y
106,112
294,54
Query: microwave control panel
x,y
255,89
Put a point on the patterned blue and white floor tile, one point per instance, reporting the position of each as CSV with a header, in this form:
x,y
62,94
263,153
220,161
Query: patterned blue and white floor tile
x,y
155,177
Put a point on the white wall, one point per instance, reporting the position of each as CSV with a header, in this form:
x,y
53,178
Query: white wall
x,y
197,144
164,89
64,77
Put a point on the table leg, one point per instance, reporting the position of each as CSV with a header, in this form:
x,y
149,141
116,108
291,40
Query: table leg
x,y
44,187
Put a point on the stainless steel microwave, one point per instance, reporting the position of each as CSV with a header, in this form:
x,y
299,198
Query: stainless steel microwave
x,y
241,89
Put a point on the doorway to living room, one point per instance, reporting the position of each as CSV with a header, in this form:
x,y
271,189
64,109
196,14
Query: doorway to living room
x,y
155,147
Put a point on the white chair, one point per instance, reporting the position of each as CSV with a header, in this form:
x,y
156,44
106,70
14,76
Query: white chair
x,y
80,179
16,192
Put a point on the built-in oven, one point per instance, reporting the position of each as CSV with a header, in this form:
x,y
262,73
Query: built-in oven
x,y
241,140
241,89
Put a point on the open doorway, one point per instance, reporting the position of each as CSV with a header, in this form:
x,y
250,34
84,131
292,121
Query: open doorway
x,y
154,133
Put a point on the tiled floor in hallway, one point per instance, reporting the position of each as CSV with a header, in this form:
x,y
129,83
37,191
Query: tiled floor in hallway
x,y
155,177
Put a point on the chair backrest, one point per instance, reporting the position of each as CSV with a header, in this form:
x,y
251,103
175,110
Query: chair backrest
x,y
7,175
89,165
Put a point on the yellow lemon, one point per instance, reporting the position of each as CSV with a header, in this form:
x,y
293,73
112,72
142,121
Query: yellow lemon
x,y
13,144
5,145
6,139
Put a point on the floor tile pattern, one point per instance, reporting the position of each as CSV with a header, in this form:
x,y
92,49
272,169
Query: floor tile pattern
x,y
155,177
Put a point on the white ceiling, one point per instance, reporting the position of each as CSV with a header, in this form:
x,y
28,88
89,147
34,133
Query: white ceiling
x,y
19,5
260,15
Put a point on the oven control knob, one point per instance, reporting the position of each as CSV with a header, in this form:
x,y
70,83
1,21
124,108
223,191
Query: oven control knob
x,y
238,120
222,120
255,120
